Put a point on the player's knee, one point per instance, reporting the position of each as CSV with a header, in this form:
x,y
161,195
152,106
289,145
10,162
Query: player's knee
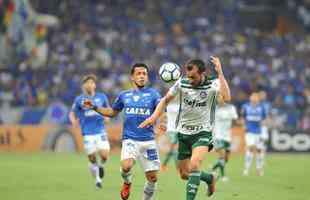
x,y
92,158
184,175
152,178
195,165
104,158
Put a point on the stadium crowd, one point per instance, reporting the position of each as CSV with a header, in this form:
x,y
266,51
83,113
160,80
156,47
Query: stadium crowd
x,y
106,37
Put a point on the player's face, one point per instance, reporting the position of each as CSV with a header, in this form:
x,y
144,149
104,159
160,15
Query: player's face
x,y
89,86
140,77
263,95
254,98
193,74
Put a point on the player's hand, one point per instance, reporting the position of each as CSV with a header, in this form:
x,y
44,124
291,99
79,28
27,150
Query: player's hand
x,y
88,104
217,64
148,122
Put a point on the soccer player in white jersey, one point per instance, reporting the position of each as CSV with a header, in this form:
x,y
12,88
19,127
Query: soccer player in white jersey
x,y
225,115
197,93
267,106
92,126
171,115
253,114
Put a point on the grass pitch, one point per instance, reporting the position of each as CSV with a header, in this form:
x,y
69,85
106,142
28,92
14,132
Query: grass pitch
x,y
50,176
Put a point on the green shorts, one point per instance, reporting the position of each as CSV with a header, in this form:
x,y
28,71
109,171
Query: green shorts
x,y
188,142
173,137
222,144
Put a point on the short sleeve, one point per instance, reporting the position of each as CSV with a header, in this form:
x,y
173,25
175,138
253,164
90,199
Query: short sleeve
x,y
105,100
118,104
215,85
175,89
157,98
234,114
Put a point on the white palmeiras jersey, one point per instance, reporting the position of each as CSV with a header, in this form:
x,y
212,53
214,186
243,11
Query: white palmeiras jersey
x,y
196,105
224,115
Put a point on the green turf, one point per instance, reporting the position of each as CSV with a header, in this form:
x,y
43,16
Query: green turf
x,y
51,176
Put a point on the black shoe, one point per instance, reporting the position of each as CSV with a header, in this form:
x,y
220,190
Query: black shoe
x,y
101,172
98,185
211,186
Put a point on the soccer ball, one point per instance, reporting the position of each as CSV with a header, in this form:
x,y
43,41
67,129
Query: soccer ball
x,y
169,72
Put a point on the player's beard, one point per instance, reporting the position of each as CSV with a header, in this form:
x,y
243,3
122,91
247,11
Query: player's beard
x,y
138,85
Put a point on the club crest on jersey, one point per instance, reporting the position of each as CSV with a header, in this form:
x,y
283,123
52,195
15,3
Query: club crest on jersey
x,y
136,98
203,94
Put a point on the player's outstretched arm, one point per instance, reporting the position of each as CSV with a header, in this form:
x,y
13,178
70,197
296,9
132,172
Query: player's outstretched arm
x,y
160,108
74,121
108,112
224,88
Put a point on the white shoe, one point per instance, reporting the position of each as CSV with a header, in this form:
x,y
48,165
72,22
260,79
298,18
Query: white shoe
x,y
245,172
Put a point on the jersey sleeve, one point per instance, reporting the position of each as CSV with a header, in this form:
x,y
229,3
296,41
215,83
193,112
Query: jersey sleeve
x,y
118,104
243,110
175,89
216,84
157,98
234,114
105,100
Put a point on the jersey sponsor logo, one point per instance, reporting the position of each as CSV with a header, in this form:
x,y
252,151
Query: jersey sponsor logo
x,y
192,127
203,94
97,100
146,94
89,113
195,103
254,118
138,111
128,94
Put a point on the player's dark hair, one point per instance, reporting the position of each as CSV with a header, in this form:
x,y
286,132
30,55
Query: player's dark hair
x,y
89,77
138,65
197,62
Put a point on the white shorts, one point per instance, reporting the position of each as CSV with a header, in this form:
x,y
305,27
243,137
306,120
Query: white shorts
x,y
94,143
145,152
253,139
265,134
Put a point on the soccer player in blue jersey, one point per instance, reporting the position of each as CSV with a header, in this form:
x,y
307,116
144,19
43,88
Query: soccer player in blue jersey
x,y
138,143
92,126
253,114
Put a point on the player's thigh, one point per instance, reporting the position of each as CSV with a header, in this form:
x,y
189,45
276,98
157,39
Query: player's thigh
x,y
151,176
198,156
127,164
149,156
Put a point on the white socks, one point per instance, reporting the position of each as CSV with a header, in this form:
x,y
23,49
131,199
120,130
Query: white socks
x,y
126,176
248,160
94,170
149,189
259,161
